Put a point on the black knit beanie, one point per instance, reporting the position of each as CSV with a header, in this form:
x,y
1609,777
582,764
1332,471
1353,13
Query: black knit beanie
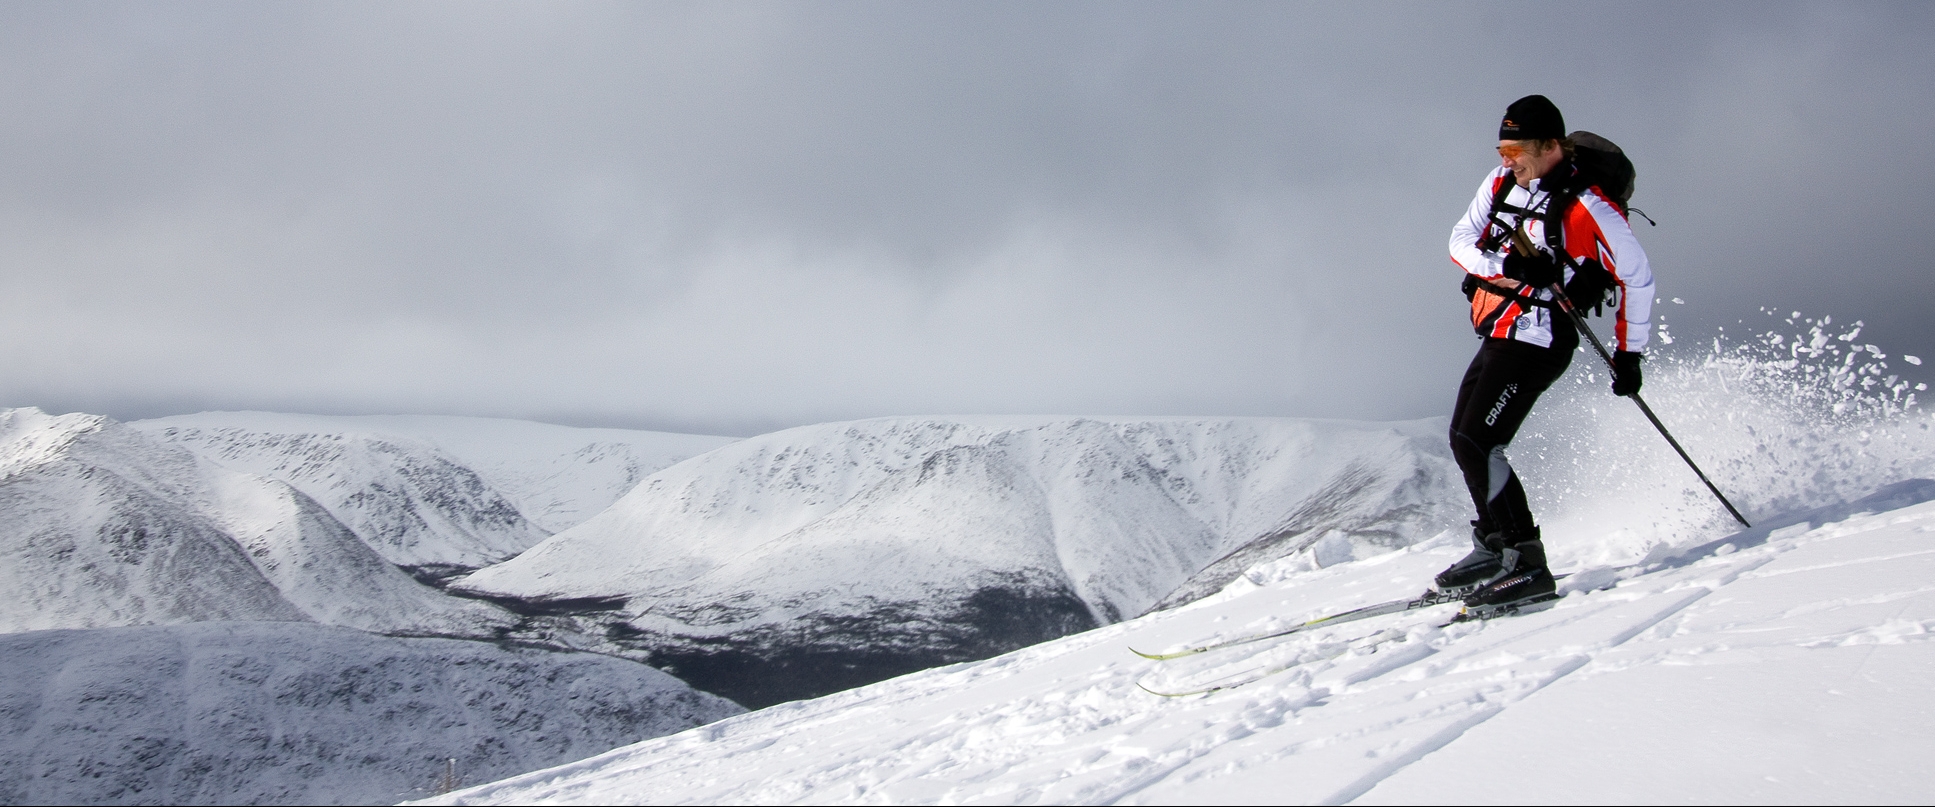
x,y
1533,117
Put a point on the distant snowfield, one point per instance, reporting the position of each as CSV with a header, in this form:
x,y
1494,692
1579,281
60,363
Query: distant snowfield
x,y
1787,663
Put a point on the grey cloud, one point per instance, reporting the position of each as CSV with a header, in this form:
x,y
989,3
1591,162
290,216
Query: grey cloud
x,y
735,216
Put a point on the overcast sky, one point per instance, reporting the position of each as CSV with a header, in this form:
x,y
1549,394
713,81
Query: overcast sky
x,y
732,217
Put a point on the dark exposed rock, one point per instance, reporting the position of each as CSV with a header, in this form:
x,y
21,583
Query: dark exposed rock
x,y
821,654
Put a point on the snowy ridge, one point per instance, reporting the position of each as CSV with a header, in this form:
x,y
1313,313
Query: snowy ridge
x,y
410,502
86,547
268,713
917,541
1780,664
477,490
102,525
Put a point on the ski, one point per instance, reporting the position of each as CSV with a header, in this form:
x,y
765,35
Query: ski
x,y
1364,646
1426,600
1251,676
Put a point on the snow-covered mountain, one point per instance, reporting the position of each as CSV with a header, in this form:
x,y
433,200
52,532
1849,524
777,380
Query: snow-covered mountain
x,y
438,490
814,559
102,525
1782,664
287,713
407,500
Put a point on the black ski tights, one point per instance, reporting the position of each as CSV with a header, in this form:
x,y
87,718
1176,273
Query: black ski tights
x,y
1505,379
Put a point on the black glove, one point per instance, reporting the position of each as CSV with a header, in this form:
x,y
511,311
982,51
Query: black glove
x,y
1589,284
1625,372
1536,270
1470,286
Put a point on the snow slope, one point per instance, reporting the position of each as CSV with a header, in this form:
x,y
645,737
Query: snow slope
x,y
1782,664
283,713
842,553
102,525
429,489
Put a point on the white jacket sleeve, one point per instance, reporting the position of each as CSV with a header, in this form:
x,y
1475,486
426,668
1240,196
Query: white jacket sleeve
x,y
1465,234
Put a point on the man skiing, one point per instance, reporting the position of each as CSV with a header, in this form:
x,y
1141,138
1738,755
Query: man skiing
x,y
1537,222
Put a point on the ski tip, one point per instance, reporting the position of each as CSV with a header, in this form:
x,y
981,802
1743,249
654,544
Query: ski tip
x,y
1161,694
1166,656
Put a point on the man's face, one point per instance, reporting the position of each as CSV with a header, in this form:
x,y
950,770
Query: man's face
x,y
1526,166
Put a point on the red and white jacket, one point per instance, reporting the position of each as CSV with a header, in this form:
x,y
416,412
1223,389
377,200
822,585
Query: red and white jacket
x,y
1593,228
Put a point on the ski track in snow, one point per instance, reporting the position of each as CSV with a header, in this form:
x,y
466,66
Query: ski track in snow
x,y
1785,663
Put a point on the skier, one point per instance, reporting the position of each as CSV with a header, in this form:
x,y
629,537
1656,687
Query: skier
x,y
1537,222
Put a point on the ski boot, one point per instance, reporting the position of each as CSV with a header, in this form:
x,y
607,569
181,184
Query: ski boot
x,y
1525,585
1478,568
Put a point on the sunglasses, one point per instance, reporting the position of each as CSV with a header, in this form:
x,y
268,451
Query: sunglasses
x,y
1512,151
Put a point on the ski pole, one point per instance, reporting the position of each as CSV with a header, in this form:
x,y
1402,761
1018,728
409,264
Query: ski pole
x,y
1522,242
1580,321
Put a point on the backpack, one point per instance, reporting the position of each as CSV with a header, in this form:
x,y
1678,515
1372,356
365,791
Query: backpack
x,y
1603,163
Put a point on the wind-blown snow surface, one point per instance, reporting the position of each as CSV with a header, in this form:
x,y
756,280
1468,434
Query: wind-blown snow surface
x,y
436,491
102,525
814,559
1782,664
268,713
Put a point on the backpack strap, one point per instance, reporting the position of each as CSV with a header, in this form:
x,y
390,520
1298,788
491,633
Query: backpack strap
x,y
1557,201
1495,231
